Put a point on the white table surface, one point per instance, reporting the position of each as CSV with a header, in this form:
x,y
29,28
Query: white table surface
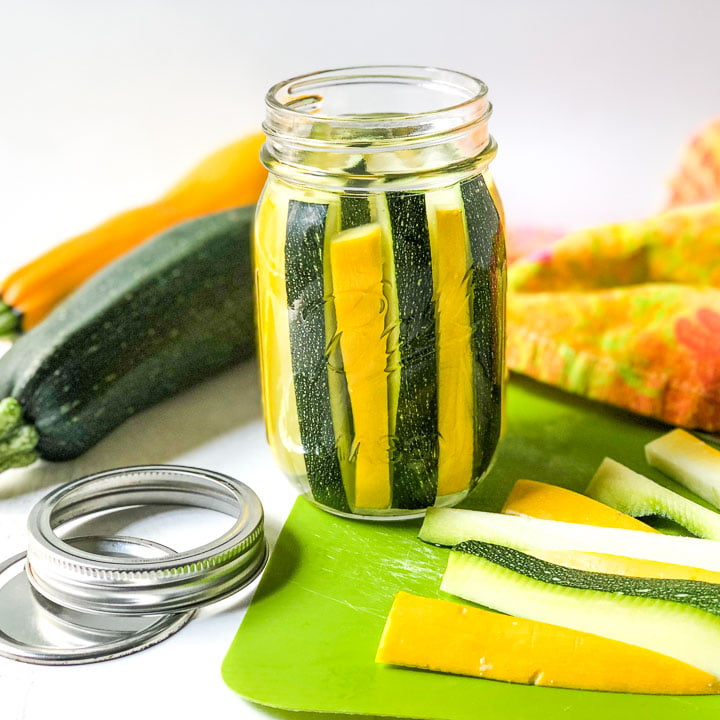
x,y
103,105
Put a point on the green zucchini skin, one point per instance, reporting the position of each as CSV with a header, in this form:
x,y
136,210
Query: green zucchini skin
x,y
304,272
677,618
701,595
487,307
163,317
414,447
354,211
634,494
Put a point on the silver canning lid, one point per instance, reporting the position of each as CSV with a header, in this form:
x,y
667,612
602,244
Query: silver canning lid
x,y
88,581
36,630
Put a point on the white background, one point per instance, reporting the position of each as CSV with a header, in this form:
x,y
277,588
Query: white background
x,y
104,104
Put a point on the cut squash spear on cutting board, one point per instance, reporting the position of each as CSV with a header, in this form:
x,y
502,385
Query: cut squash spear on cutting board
x,y
435,634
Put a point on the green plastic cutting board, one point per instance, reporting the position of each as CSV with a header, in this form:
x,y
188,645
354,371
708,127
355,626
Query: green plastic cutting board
x,y
308,640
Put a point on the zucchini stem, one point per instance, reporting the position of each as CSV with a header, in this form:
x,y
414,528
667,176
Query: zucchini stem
x,y
9,321
17,439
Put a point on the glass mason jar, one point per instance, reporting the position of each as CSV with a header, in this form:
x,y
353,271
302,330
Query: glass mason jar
x,y
380,279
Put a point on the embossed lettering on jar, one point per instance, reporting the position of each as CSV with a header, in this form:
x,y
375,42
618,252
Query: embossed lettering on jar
x,y
380,271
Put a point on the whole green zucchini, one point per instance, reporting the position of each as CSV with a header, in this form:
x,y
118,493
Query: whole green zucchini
x,y
161,318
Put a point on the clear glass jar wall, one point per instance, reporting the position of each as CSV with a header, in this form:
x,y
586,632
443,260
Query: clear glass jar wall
x,y
380,278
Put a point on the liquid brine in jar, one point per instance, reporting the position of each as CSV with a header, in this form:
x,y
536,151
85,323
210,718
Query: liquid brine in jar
x,y
380,279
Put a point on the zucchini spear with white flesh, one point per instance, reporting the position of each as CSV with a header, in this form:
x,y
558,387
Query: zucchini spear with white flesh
x,y
450,526
550,502
677,618
629,492
688,461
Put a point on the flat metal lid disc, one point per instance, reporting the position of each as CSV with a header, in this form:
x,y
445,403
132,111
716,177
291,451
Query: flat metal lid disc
x,y
35,630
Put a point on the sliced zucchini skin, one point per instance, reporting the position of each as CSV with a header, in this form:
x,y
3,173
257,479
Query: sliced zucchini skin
x,y
487,249
415,443
701,595
354,211
634,494
676,618
161,318
304,268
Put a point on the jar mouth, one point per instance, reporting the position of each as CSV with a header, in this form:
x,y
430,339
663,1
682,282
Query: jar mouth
x,y
442,92
368,124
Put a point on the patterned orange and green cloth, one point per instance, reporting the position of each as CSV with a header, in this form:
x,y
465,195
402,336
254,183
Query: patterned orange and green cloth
x,y
629,314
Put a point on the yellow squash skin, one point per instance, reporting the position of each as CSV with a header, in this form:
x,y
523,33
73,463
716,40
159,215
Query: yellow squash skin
x,y
337,382
448,637
356,260
281,420
231,177
448,243
550,502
